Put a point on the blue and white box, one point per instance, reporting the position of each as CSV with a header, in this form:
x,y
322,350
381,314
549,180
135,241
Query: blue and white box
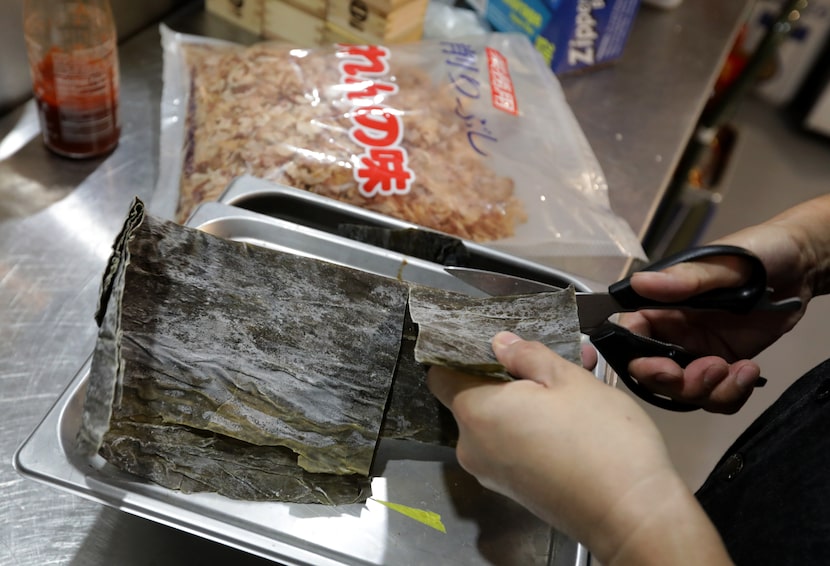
x,y
570,34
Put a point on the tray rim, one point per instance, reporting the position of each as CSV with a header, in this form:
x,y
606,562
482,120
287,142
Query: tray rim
x,y
246,187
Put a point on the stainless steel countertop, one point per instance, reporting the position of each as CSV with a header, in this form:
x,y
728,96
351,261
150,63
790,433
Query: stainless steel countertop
x,y
637,114
640,112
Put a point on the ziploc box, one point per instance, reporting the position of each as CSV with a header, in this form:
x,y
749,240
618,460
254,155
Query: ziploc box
x,y
570,34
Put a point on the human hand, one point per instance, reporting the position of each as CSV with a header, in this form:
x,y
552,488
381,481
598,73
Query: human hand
x,y
723,381
579,454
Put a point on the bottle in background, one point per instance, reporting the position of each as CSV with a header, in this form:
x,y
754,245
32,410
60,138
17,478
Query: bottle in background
x,y
72,48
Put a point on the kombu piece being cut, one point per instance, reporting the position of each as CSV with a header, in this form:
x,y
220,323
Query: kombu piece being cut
x,y
455,330
263,375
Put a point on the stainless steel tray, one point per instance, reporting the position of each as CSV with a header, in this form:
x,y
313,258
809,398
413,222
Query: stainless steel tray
x,y
481,527
326,214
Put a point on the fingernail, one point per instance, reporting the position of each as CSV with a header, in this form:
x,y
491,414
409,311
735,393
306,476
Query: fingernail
x,y
504,339
746,377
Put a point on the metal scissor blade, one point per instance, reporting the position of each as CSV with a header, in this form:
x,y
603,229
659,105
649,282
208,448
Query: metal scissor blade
x,y
593,308
499,284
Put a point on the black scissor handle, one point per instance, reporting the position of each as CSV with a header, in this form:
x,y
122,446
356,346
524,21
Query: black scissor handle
x,y
619,346
740,299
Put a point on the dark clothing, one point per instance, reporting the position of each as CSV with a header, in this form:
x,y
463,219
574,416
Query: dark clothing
x,y
769,496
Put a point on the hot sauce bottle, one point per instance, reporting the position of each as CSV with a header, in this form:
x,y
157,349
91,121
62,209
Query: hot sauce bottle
x,y
73,58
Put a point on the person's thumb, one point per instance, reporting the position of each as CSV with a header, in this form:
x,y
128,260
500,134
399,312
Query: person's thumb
x,y
528,360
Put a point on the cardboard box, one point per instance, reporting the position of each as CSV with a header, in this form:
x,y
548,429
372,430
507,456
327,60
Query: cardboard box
x,y
246,14
570,34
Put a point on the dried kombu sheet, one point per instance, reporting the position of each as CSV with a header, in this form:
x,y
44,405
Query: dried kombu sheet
x,y
258,346
414,413
455,330
259,374
106,374
189,461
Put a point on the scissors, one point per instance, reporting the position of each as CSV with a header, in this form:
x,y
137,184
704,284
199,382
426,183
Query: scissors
x,y
619,345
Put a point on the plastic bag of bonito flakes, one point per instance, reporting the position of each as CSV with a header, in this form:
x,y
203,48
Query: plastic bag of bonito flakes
x,y
472,137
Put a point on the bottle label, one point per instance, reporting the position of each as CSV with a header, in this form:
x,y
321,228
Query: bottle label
x,y
77,96
84,75
86,92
